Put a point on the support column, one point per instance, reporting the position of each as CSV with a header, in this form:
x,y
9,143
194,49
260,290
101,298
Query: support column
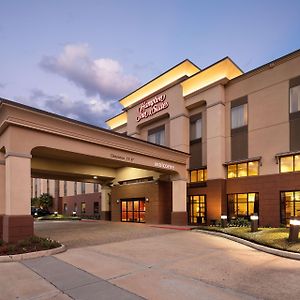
x,y
215,159
2,193
105,203
17,221
179,194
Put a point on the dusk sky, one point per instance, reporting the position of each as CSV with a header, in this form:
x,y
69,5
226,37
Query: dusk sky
x,y
78,58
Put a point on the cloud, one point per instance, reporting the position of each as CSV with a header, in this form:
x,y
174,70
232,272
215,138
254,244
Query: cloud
x,y
93,110
103,76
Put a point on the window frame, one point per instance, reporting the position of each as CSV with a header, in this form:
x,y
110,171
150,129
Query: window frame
x,y
154,131
193,120
255,208
243,162
294,165
204,175
283,220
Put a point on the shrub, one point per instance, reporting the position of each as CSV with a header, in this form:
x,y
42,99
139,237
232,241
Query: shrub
x,y
239,222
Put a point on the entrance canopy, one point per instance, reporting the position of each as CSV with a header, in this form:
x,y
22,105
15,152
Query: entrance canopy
x,y
40,144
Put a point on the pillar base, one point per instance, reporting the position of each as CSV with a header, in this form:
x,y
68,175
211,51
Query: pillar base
x,y
16,228
179,218
1,227
105,215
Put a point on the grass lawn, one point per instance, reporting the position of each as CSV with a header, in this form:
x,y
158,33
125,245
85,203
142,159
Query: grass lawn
x,y
272,237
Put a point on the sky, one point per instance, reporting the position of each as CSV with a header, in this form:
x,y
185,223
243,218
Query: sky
x,y
77,58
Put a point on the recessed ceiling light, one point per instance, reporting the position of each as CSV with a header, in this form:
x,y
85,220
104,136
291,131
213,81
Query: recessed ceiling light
x,y
95,177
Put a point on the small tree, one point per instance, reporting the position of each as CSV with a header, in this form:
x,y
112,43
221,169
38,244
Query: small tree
x,y
45,201
35,202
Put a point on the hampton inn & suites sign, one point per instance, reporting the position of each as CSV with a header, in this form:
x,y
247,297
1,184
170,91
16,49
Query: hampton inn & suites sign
x,y
151,107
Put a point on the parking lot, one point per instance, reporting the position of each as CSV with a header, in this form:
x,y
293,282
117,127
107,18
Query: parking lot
x,y
137,261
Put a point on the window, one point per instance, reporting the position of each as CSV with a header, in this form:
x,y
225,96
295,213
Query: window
x,y
196,129
243,169
96,207
289,163
75,188
35,187
75,206
197,209
157,135
242,205
82,187
239,116
96,187
289,206
199,175
83,207
65,208
65,188
48,186
133,210
295,99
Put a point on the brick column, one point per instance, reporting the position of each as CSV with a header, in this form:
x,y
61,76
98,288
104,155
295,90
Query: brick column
x,y
17,221
105,202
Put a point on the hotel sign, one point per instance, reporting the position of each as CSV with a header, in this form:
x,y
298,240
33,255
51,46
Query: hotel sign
x,y
151,107
164,165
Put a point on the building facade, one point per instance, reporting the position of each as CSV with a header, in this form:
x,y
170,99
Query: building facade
x,y
242,131
69,197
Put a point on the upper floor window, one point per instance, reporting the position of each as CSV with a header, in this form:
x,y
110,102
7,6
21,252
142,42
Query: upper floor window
x,y
239,116
199,175
295,99
82,187
157,135
196,129
243,169
289,163
65,188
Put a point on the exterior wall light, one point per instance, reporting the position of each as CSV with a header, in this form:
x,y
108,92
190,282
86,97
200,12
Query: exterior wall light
x,y
224,221
147,199
254,222
118,201
294,230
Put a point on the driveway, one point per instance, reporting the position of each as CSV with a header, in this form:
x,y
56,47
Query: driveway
x,y
137,261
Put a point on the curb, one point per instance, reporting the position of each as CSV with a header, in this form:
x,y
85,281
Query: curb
x,y
30,255
278,252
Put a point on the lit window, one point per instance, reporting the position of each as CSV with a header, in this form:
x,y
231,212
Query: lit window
x,y
198,175
196,129
83,207
242,205
157,136
289,163
295,99
239,116
243,169
290,206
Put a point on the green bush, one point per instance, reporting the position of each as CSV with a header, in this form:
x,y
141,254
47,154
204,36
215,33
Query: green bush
x,y
239,222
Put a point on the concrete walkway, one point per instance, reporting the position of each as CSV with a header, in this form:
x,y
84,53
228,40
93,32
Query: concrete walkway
x,y
165,264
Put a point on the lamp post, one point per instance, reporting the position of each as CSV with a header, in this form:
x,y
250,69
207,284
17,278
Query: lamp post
x,y
254,222
294,230
224,221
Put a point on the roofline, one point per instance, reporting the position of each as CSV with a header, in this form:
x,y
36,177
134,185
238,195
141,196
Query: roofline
x,y
215,63
160,76
43,112
122,112
265,66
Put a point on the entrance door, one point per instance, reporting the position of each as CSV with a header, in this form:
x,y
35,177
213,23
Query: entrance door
x,y
133,210
197,209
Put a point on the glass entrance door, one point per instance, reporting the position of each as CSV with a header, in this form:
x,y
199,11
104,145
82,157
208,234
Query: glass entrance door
x,y
133,210
197,209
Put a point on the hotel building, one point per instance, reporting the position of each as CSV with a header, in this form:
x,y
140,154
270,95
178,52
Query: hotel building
x,y
242,131
189,146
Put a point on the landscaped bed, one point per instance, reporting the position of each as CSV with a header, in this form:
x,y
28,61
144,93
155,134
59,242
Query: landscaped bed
x,y
58,217
30,244
272,237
